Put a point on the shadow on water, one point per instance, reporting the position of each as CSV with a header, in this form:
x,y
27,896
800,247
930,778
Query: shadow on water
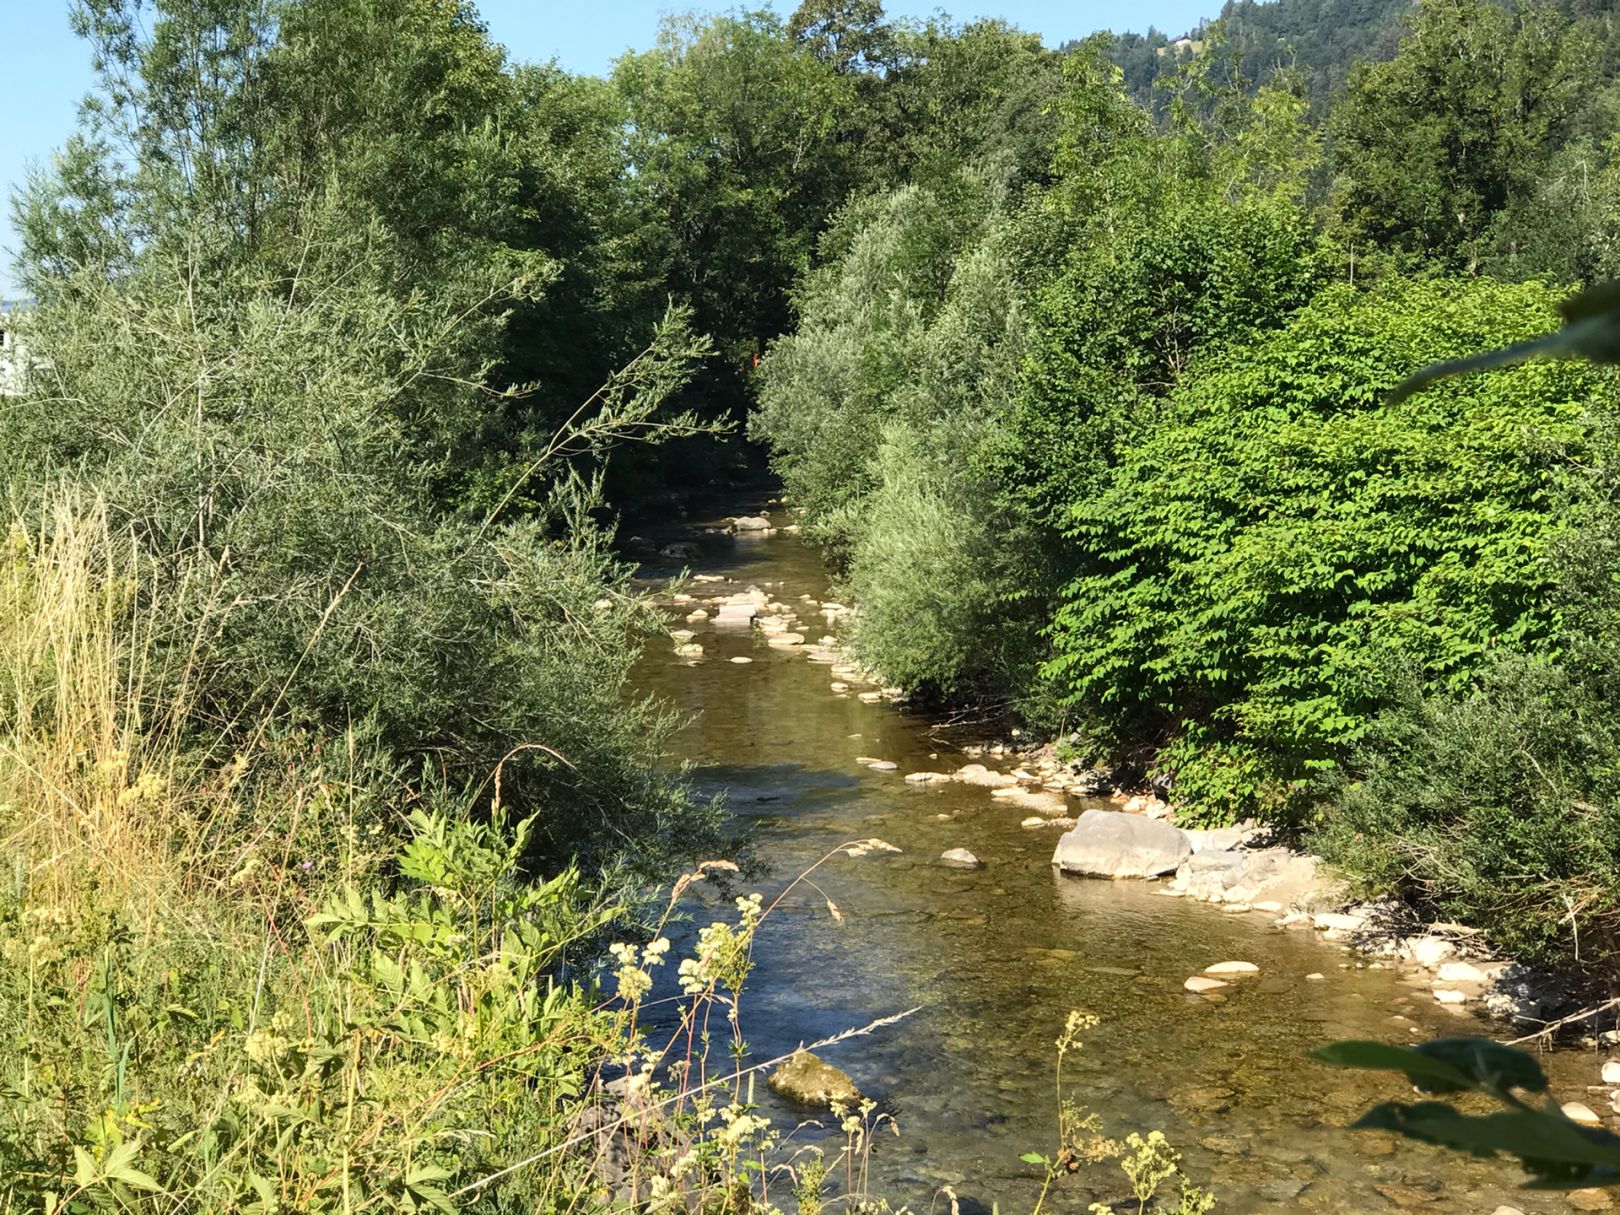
x,y
996,956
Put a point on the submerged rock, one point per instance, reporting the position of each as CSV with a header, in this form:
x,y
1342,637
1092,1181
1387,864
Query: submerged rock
x,y
1106,843
812,1081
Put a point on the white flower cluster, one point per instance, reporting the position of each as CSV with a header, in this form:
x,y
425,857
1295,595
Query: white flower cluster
x,y
633,967
721,951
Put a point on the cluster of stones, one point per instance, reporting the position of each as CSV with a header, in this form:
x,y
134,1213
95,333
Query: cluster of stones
x,y
1242,871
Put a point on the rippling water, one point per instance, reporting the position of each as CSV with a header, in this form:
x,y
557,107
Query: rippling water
x,y
996,957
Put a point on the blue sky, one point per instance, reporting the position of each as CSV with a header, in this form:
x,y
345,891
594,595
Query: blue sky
x,y
44,70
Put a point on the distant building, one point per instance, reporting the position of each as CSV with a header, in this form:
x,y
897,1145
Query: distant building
x,y
14,361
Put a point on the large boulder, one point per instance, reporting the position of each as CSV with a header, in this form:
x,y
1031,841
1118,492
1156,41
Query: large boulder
x,y
812,1081
1108,843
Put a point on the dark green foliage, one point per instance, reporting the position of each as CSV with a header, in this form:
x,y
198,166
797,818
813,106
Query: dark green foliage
x,y
1281,537
733,128
1457,129
1113,333
955,95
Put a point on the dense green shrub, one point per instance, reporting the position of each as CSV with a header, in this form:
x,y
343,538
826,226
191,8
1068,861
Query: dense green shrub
x,y
1113,332
1498,807
316,578
1282,539
879,409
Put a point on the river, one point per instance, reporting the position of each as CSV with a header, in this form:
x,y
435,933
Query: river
x,y
996,956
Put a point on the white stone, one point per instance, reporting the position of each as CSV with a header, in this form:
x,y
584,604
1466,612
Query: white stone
x,y
960,856
1315,976
690,650
1447,995
1106,843
883,765
1034,820
1232,968
1461,972
1338,921
700,614
1611,1072
1583,1114
976,773
786,640
1429,951
1198,984
740,660
926,778
751,523
1507,1211
870,698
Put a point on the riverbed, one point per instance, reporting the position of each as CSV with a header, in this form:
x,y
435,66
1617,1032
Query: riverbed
x,y
996,956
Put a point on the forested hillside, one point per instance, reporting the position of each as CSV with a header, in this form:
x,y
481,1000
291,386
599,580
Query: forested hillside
x,y
1319,40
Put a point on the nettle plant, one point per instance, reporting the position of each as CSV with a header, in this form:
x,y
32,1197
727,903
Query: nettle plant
x,y
414,1041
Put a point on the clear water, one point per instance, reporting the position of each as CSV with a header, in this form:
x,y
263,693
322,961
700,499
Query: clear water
x,y
997,956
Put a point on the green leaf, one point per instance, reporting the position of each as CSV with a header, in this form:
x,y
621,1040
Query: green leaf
x,y
1033,1158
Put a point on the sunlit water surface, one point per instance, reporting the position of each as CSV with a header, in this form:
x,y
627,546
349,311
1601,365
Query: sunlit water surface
x,y
997,956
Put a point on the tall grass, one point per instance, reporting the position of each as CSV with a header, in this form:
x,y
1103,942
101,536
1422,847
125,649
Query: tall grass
x,y
250,982
87,767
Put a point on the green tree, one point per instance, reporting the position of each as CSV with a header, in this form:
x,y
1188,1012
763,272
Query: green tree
x,y
1434,145
1281,541
847,35
732,136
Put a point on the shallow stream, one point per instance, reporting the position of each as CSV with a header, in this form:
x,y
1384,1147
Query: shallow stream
x,y
996,956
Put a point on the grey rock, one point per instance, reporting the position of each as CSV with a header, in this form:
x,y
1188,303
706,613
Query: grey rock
x,y
1282,1189
1107,843
1223,838
684,551
750,523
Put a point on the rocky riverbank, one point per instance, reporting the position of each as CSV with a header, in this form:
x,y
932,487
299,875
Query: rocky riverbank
x,y
1109,833
958,903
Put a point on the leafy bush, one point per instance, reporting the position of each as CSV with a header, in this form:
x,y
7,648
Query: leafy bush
x,y
1282,539
1114,331
879,408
